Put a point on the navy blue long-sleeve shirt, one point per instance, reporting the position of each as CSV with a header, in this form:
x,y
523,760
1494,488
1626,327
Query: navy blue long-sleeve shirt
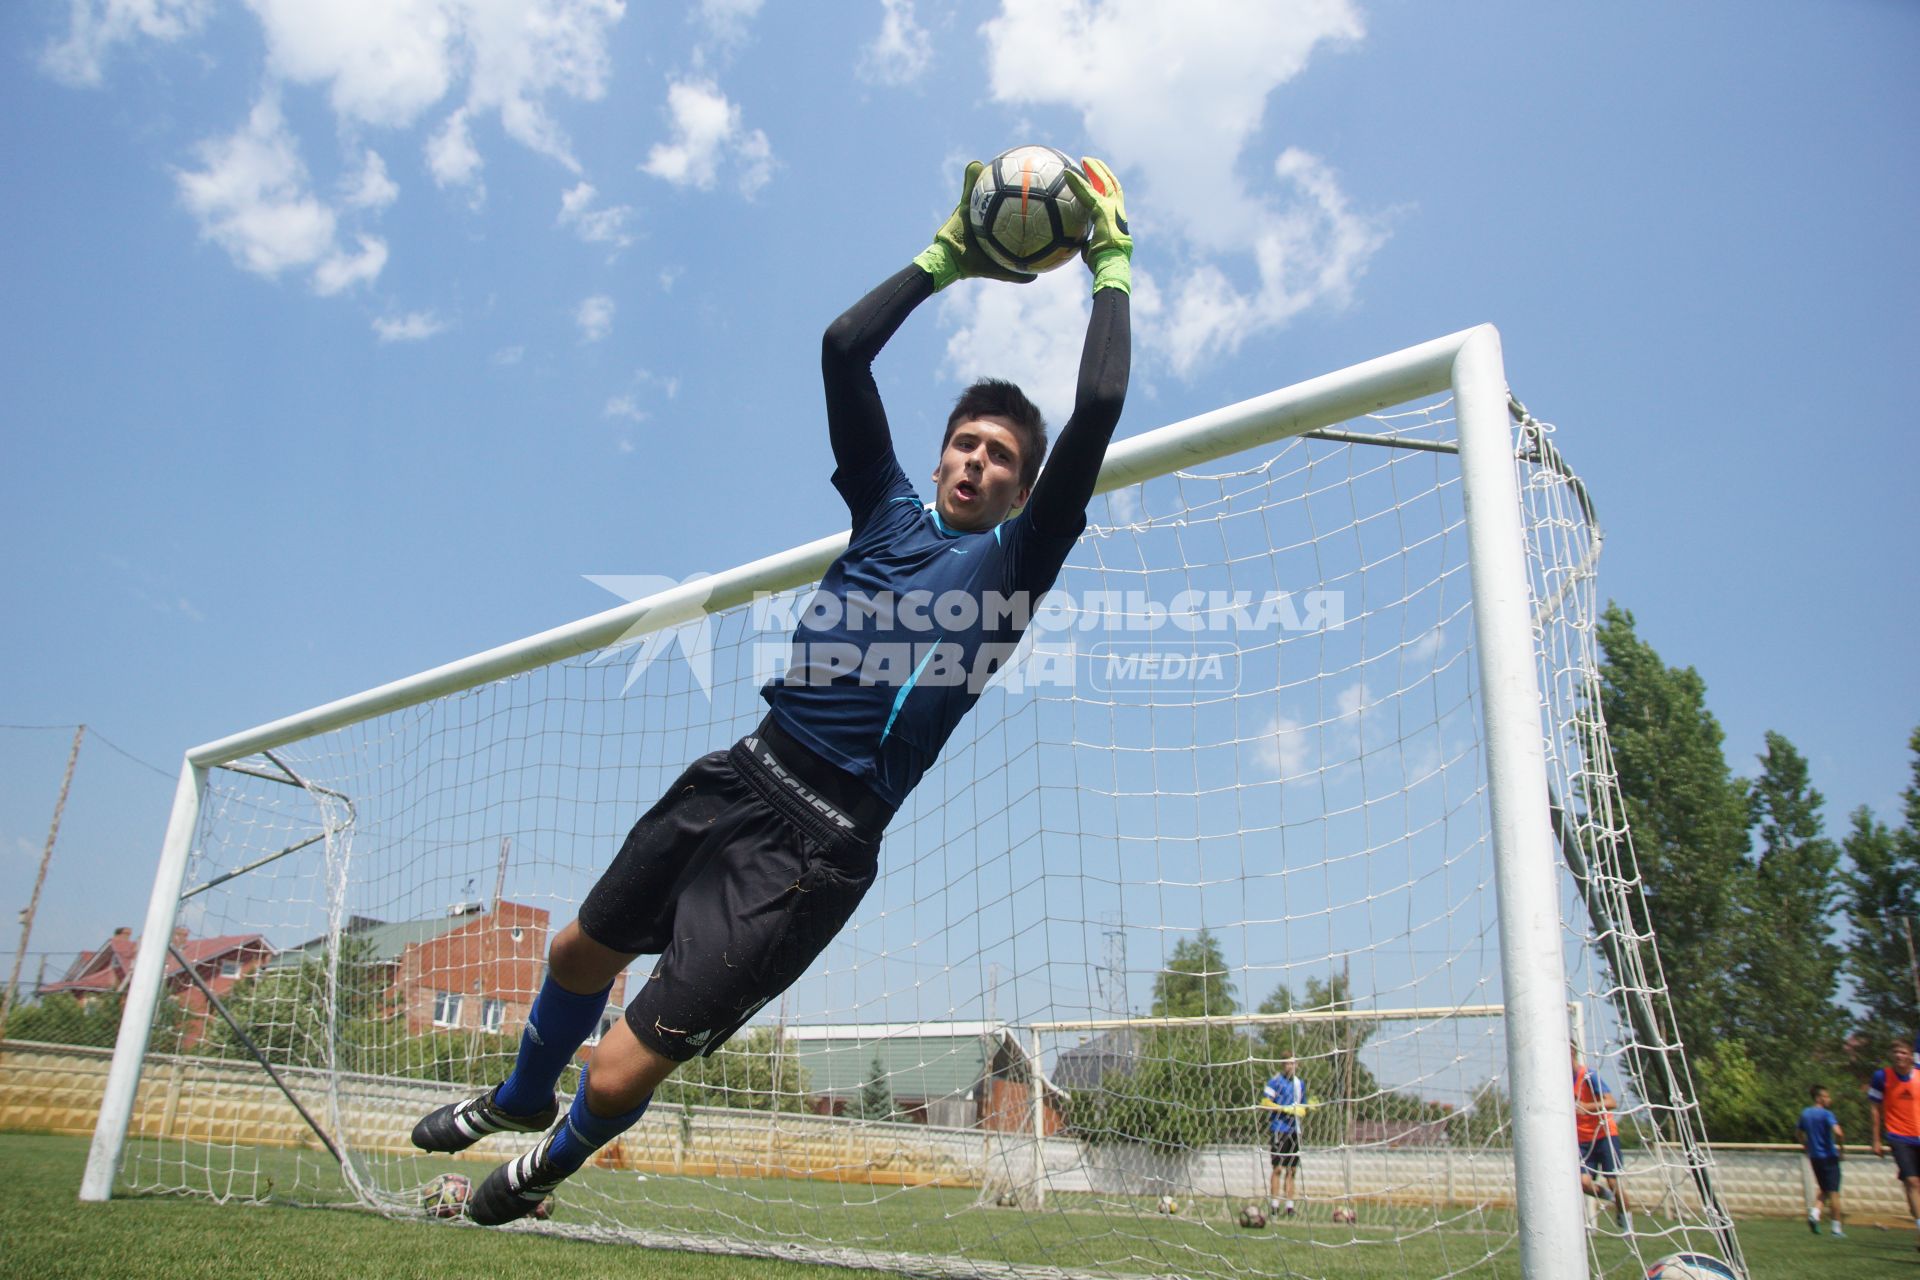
x,y
888,656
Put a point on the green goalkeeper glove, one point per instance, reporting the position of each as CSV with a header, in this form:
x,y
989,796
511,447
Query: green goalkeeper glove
x,y
953,255
1109,251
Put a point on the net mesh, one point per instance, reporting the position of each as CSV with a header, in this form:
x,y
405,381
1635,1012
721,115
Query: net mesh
x,y
1226,808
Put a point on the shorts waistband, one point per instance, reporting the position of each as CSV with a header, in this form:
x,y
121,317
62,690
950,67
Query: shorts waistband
x,y
826,794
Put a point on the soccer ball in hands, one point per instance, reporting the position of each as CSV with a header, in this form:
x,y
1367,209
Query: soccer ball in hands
x,y
1690,1266
1253,1217
446,1195
1023,214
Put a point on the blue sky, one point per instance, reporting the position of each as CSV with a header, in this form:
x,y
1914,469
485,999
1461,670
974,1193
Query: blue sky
x,y
347,339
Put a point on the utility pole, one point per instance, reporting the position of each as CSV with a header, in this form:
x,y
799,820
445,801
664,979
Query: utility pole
x,y
33,903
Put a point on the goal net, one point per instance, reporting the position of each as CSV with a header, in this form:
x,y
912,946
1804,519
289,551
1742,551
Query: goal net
x,y
1301,762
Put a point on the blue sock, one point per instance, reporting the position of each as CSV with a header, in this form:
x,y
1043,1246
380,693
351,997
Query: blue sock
x,y
557,1025
585,1133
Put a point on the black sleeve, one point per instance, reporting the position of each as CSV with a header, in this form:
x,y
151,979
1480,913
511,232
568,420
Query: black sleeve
x,y
856,420
1059,503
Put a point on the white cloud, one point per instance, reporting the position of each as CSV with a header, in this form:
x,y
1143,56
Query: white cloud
x,y
386,62
595,226
415,326
371,188
707,130
95,26
1030,334
339,271
508,356
1312,250
595,317
624,407
727,20
1173,95
1124,506
383,62
902,51
452,158
252,198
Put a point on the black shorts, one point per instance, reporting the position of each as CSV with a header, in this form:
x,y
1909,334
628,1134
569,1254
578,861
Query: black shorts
x,y
1906,1158
737,879
1826,1172
1602,1155
1284,1149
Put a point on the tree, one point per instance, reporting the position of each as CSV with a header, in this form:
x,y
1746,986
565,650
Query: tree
x,y
1786,1016
876,1095
1194,982
288,1012
1689,817
62,1019
1187,1086
1880,891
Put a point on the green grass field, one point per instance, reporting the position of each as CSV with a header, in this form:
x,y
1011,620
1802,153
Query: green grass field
x,y
44,1231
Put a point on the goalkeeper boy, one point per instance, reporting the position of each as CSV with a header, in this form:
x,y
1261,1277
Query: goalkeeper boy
x,y
757,856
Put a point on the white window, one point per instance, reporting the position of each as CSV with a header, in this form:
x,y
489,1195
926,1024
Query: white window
x,y
446,1009
493,1014
230,967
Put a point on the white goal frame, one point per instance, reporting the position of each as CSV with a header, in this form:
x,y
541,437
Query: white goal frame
x,y
1469,365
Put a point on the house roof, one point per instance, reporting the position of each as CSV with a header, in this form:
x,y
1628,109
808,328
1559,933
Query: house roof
x,y
921,1059
1082,1066
385,940
108,968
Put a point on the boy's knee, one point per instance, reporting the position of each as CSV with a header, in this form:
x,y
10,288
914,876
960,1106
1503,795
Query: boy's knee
x,y
580,964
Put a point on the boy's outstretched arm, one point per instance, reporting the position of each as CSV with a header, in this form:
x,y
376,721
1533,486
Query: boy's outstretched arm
x,y
856,420
1060,496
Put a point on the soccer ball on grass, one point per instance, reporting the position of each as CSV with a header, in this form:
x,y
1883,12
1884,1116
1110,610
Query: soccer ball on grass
x,y
1023,214
446,1195
1253,1217
1690,1266
1168,1205
1345,1215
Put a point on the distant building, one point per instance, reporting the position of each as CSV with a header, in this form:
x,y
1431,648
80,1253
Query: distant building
x,y
959,1075
1082,1067
219,962
482,974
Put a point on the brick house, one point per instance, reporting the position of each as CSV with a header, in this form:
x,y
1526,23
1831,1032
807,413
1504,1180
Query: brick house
x,y
219,962
479,975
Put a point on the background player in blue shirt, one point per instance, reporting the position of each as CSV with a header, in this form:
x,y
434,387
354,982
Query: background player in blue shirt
x,y
757,856
1820,1133
1285,1098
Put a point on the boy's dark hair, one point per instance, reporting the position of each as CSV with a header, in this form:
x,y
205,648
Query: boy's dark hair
x,y
1816,1091
996,397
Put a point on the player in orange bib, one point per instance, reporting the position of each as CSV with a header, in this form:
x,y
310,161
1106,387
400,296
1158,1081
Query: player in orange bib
x,y
1599,1138
1894,1092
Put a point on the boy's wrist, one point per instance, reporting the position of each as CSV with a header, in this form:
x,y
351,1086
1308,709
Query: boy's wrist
x,y
937,260
1113,270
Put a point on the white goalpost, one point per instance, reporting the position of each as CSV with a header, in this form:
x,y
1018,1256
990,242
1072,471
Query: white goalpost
x,y
1303,760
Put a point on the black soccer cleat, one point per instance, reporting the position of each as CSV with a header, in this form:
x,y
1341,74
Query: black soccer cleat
x,y
517,1188
459,1125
